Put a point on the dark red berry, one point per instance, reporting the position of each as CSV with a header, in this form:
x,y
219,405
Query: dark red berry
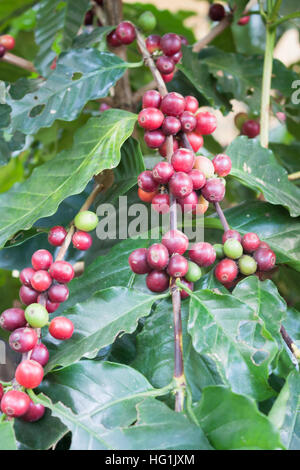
x,y
165,64
151,99
161,203
158,256
203,254
191,104
15,403
167,77
189,203
178,266
146,181
264,245
188,121
184,40
2,50
265,259
176,57
57,235
40,354
183,160
35,412
29,374
190,285
41,280
113,40
214,190
176,242
206,123
170,43
51,306
171,125
41,259
157,281
162,172
216,12
138,261
58,293
23,339
153,43
198,178
195,140
154,139
62,271
251,128
226,271
12,318
231,234
150,118
125,32
163,148
61,328
27,295
250,242
222,164
82,240
181,184
26,275
173,104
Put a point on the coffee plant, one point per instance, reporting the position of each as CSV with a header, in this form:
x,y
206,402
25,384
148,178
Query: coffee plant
x,y
120,328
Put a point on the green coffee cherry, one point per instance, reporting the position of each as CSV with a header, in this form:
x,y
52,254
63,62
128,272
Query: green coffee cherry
x,y
233,248
36,315
147,21
86,221
247,265
219,250
194,272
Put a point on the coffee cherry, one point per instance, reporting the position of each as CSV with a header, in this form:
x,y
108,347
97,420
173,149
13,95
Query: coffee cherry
x,y
50,306
125,32
158,256
171,125
28,295
146,181
163,148
57,235
1,391
250,242
226,271
41,280
189,203
181,184
243,20
170,43
7,41
203,254
191,104
175,241
41,259
165,64
173,104
233,248
264,245
29,374
58,293
188,121
167,77
195,140
36,315
214,190
40,354
150,118
222,164
104,107
198,179
251,128
62,271
202,206
216,12
26,275
176,57
205,165
23,339
184,40
2,51
157,281
265,259
153,43
239,120
184,294
218,247
247,265
34,413
194,272
82,240
15,403
178,266
161,203
231,234
147,21
151,99
162,172
154,139
61,328
86,221
113,40
12,318
138,261
206,123
145,196
183,160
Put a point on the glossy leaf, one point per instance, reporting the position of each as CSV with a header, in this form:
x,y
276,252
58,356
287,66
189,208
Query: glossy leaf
x,y
88,39
7,436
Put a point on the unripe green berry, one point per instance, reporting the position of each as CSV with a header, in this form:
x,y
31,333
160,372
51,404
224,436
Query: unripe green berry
x,y
219,250
86,221
239,120
147,21
194,272
247,265
36,315
233,248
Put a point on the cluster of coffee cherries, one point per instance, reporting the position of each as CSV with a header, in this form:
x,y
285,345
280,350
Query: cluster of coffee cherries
x,y
248,127
217,12
123,35
7,43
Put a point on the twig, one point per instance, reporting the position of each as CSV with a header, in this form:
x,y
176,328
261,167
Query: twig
x,y
213,33
19,62
290,343
221,216
294,176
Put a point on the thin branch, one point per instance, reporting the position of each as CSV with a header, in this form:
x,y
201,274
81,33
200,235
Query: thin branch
x,y
290,343
213,33
221,216
294,176
19,62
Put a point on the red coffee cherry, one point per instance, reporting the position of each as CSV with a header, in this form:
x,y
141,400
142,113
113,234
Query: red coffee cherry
x,y
125,32
216,12
158,256
191,104
15,403
264,245
243,20
157,281
181,184
195,140
23,339
145,196
189,285
170,43
61,328
34,413
189,203
138,261
146,181
41,259
7,41
250,242
203,254
165,64
161,203
50,306
265,259
29,374
183,160
154,139
173,104
251,128
214,190
167,77
198,178
188,121
176,57
104,107
41,280
153,43
176,242
57,235
226,271
163,148
26,275
162,172
222,164
27,295
206,123
58,293
2,50
151,99
61,271
113,40
184,40
178,266
82,240
231,234
171,125
40,354
150,118
12,318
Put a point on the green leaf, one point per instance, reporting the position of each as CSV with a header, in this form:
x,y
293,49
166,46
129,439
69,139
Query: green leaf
x,y
98,321
230,334
10,9
80,75
89,38
257,168
7,436
96,147
14,143
233,422
287,155
285,414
